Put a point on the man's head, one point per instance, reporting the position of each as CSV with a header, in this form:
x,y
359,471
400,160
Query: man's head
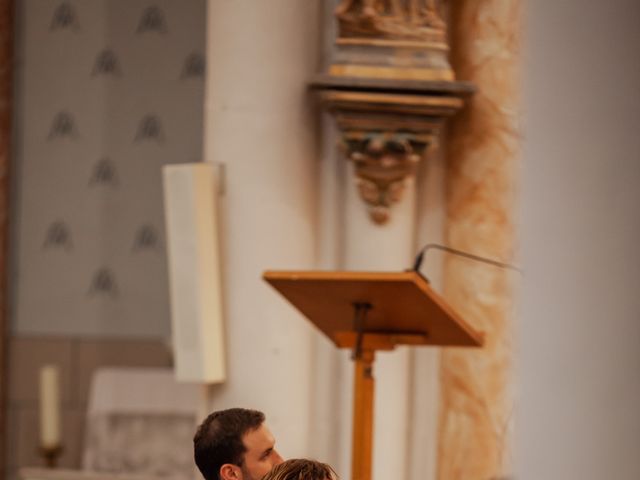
x,y
235,444
301,469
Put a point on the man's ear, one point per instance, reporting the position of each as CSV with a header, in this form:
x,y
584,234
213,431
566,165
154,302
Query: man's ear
x,y
230,472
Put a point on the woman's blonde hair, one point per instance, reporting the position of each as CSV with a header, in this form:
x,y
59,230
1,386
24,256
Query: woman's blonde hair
x,y
301,469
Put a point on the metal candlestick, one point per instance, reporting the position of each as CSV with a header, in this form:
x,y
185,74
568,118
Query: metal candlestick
x,y
51,454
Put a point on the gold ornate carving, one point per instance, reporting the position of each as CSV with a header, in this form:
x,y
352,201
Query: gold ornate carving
x,y
383,162
386,128
390,88
395,19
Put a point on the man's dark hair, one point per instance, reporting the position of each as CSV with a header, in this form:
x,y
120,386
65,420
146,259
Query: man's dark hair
x,y
218,439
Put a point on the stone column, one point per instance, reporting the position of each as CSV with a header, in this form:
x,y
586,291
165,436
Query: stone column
x,y
6,73
390,88
483,152
369,246
259,124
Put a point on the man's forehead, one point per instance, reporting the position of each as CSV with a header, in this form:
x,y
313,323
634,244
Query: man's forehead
x,y
258,438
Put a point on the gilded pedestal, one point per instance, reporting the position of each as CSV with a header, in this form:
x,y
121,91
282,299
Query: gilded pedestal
x,y
390,88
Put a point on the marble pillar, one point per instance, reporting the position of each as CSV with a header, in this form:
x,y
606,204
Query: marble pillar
x,y
483,152
6,73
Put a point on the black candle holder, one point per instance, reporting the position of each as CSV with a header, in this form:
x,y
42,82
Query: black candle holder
x,y
51,455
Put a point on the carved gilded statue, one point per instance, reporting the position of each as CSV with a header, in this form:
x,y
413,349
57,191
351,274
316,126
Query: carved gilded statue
x,y
394,19
365,8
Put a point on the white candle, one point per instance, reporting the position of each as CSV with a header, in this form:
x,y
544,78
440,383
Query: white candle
x,y
49,406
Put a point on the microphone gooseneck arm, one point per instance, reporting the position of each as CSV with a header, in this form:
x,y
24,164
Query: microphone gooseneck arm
x,y
455,251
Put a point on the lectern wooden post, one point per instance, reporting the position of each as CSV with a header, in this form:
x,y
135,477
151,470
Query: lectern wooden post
x,y
367,311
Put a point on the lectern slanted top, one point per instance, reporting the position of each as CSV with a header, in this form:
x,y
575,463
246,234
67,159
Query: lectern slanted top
x,y
370,311
401,304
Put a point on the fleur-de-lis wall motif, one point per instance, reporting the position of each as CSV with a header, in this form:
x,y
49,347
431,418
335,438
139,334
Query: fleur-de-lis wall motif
x,y
64,18
106,63
58,235
103,283
63,126
100,135
194,66
146,238
104,173
150,128
152,20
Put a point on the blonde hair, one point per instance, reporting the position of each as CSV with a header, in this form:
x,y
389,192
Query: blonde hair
x,y
301,469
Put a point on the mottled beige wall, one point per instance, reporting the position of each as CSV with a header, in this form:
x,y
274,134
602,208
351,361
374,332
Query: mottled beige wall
x,y
578,333
483,152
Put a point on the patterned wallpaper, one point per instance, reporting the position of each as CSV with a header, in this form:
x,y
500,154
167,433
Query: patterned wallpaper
x,y
107,92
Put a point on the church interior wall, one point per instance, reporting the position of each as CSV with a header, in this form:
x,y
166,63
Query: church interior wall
x,y
285,206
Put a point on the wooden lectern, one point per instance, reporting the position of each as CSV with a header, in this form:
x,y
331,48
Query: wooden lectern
x,y
369,311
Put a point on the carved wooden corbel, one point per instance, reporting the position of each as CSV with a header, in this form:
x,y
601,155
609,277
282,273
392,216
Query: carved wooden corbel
x,y
383,162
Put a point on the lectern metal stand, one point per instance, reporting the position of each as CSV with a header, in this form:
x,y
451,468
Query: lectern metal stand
x,y
367,312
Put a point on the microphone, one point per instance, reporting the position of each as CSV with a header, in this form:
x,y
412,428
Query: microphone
x,y
420,257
